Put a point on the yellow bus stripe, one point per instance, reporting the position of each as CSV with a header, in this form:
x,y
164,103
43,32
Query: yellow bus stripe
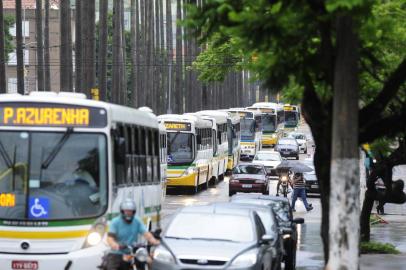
x,y
42,235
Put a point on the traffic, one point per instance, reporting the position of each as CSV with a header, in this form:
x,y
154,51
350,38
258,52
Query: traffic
x,y
84,183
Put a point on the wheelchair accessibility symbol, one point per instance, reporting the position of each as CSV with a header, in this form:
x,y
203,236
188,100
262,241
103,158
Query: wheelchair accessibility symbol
x,y
39,207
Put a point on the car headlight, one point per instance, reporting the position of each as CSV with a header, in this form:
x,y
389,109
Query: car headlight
x,y
94,238
163,255
247,259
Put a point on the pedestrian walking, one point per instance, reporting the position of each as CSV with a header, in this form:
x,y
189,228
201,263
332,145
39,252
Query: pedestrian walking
x,y
299,190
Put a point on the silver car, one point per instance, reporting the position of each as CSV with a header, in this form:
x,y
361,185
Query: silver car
x,y
216,236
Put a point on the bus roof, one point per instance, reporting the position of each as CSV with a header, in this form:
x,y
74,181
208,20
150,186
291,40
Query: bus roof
x,y
117,113
187,118
241,111
221,117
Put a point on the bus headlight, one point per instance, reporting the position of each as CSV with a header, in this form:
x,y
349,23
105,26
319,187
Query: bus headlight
x,y
94,238
189,171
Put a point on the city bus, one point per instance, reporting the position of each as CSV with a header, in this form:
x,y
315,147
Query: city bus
x,y
163,156
66,165
291,117
220,143
233,138
190,151
272,122
251,131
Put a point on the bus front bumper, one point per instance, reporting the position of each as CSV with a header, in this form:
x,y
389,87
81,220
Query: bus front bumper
x,y
88,258
188,180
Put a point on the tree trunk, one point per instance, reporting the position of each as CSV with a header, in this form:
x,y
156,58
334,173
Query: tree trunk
x,y
143,51
3,83
162,61
66,69
134,62
78,46
169,57
88,46
117,52
40,46
344,197
123,66
177,93
47,71
103,32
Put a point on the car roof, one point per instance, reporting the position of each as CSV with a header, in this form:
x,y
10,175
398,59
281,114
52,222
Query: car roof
x,y
236,204
249,163
260,197
218,208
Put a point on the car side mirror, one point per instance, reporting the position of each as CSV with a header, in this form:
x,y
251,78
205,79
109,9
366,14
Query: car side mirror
x,y
298,220
266,239
119,150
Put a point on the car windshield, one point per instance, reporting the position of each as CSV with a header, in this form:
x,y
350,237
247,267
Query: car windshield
x,y
180,148
211,227
298,136
290,118
52,175
268,157
248,169
268,123
247,129
287,142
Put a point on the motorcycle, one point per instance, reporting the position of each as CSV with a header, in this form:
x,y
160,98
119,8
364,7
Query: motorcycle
x,y
284,185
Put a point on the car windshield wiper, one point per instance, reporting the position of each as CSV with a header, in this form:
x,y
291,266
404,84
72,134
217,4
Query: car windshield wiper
x,y
177,238
57,148
212,239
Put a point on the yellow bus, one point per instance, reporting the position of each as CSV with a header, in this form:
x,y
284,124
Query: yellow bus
x,y
272,122
190,151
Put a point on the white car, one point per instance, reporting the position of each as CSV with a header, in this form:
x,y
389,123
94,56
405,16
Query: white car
x,y
301,140
270,160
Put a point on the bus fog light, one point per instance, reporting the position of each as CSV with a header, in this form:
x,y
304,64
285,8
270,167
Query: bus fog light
x,y
94,238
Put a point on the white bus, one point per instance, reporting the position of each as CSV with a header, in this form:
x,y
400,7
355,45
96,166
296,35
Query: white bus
x,y
251,131
233,138
66,164
190,151
220,142
272,122
163,155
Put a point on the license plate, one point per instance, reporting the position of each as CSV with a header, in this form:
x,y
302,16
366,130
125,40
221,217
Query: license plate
x,y
315,186
285,153
247,186
30,265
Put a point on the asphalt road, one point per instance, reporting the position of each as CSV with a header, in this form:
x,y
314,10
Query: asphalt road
x,y
309,254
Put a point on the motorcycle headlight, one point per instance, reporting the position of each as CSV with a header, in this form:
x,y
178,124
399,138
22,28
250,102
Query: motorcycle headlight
x,y
245,260
141,254
284,178
163,255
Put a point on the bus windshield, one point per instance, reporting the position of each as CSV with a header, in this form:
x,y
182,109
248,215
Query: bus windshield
x,y
290,118
180,148
247,129
52,175
268,123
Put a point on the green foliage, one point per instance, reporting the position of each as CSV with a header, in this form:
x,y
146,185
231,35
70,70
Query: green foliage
x,y
378,248
9,45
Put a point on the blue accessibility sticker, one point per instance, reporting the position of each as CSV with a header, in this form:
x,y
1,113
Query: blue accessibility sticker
x,y
38,207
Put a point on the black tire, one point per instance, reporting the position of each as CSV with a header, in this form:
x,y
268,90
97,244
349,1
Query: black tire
x,y
290,262
305,151
297,157
231,193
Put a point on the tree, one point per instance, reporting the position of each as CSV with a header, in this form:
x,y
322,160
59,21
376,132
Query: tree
x,y
299,41
6,46
87,47
118,58
134,60
20,52
66,68
169,56
78,46
40,46
102,56
47,66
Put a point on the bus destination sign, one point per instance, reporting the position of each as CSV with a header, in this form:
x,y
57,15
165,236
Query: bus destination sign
x,y
51,115
179,126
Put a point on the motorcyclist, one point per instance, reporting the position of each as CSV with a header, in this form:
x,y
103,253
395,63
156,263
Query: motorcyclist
x,y
124,230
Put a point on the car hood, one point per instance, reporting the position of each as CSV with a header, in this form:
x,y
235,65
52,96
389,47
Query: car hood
x,y
210,250
249,176
267,163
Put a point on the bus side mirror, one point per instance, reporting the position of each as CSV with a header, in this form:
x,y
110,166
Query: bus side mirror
x,y
198,139
119,150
